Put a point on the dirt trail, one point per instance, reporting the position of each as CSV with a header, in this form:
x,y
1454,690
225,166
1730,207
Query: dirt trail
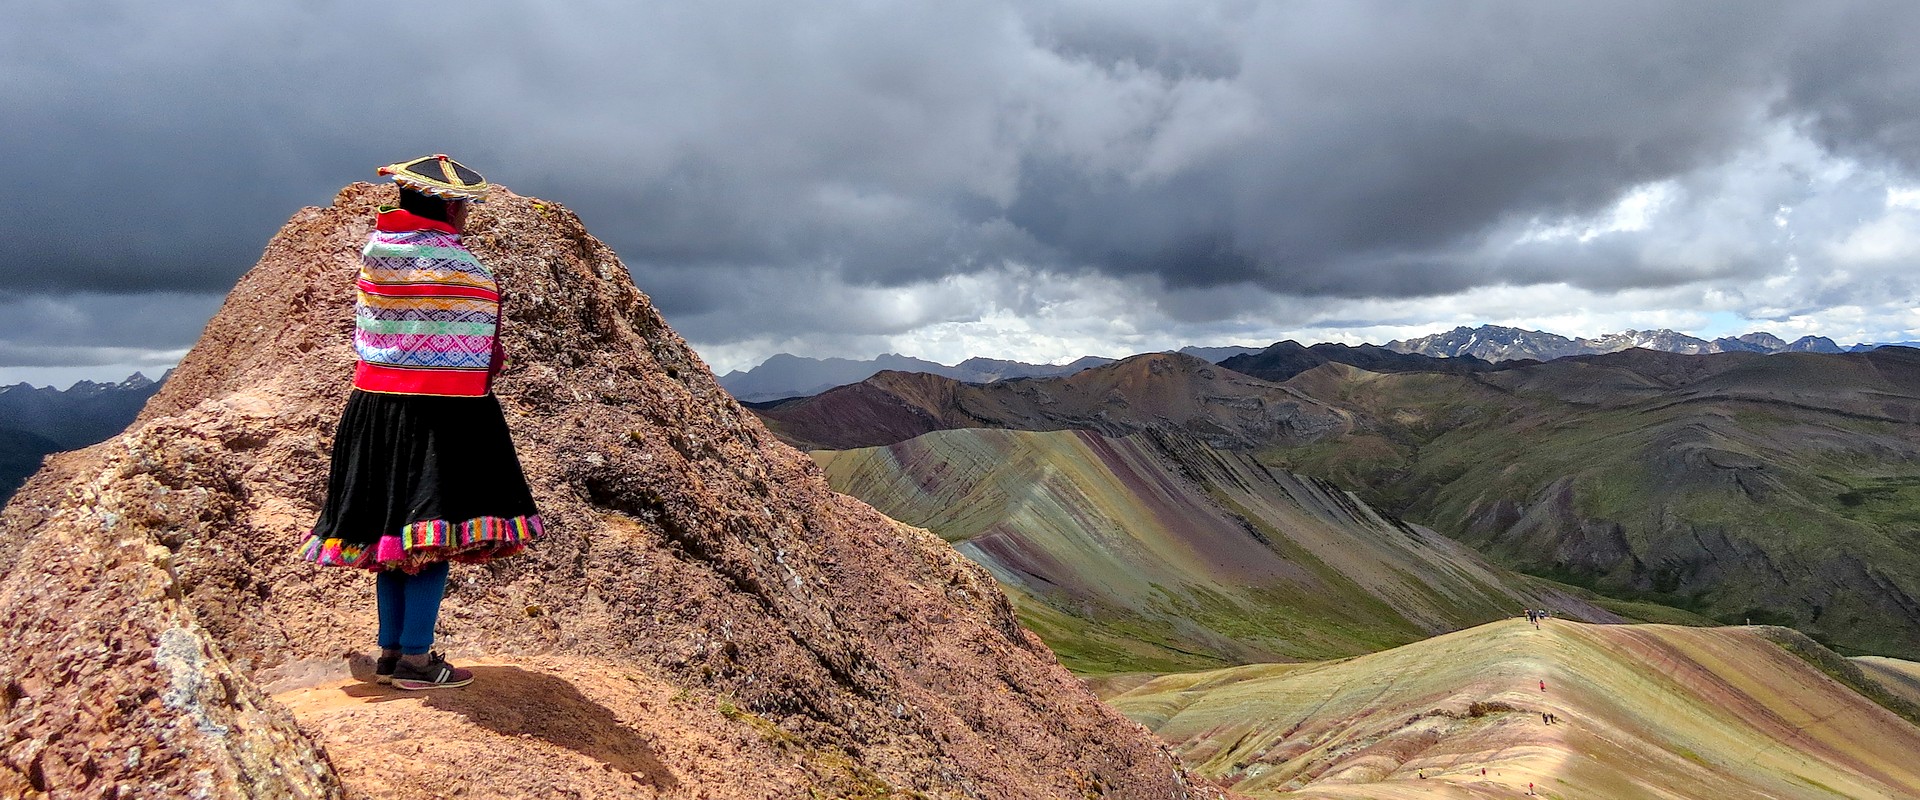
x,y
571,726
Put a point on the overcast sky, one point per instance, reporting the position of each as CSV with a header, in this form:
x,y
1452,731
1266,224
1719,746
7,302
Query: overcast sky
x,y
1034,180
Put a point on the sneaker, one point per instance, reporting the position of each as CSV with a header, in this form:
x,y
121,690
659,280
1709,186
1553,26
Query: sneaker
x,y
437,674
383,668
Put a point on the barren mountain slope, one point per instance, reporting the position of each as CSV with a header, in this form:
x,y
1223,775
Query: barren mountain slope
x,y
1898,676
1643,711
705,618
1154,552
784,375
1156,391
1286,359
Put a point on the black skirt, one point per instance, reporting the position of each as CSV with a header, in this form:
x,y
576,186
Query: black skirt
x,y
418,479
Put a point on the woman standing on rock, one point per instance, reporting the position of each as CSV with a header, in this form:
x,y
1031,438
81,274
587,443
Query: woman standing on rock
x,y
424,471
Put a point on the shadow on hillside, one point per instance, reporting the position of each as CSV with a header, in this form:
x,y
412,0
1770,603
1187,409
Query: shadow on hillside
x,y
515,702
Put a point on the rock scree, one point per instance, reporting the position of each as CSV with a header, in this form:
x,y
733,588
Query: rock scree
x,y
705,617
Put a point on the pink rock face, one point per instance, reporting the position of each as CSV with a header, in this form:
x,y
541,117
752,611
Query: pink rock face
x,y
705,617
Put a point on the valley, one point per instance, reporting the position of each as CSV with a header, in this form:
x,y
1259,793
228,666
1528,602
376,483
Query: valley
x,y
1744,487
1199,560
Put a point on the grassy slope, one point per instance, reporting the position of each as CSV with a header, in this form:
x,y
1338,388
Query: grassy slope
x,y
1722,498
1646,710
1154,553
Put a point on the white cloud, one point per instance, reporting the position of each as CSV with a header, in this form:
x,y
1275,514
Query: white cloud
x,y
1782,236
1633,212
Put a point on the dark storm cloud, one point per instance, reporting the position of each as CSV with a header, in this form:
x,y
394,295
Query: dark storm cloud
x,y
1318,149
1391,140
1855,81
42,330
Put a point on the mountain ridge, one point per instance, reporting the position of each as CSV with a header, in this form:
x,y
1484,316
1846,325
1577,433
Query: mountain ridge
x,y
1286,359
1496,343
784,376
38,421
1171,391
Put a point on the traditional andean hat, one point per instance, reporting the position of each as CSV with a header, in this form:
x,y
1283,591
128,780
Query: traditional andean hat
x,y
439,176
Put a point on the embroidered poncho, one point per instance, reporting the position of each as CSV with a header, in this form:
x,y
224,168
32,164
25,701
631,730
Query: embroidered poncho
x,y
427,312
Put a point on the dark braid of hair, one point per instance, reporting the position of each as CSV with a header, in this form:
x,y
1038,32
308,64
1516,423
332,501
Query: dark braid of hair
x,y
421,204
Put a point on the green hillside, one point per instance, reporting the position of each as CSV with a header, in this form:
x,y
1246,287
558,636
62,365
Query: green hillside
x,y
1649,711
1155,553
1779,489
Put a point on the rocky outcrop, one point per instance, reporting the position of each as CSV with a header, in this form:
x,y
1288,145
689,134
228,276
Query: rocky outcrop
x,y
705,618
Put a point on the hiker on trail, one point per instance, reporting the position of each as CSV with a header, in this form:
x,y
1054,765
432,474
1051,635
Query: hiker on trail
x,y
1543,686
1544,719
424,472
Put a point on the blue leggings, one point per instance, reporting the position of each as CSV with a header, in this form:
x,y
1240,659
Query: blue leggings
x,y
409,606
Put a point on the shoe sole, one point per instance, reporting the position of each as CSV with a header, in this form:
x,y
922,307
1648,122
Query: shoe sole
x,y
415,686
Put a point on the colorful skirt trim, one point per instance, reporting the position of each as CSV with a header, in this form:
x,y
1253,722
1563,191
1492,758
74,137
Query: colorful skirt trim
x,y
475,541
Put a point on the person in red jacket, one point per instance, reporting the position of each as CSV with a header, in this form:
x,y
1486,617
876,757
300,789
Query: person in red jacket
x,y
423,469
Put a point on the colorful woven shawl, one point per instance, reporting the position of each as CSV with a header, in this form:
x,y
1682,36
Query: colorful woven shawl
x,y
427,311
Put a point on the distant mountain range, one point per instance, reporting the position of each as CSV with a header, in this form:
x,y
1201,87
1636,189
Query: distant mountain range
x,y
1218,354
784,376
1156,391
35,421
1496,343
1289,358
